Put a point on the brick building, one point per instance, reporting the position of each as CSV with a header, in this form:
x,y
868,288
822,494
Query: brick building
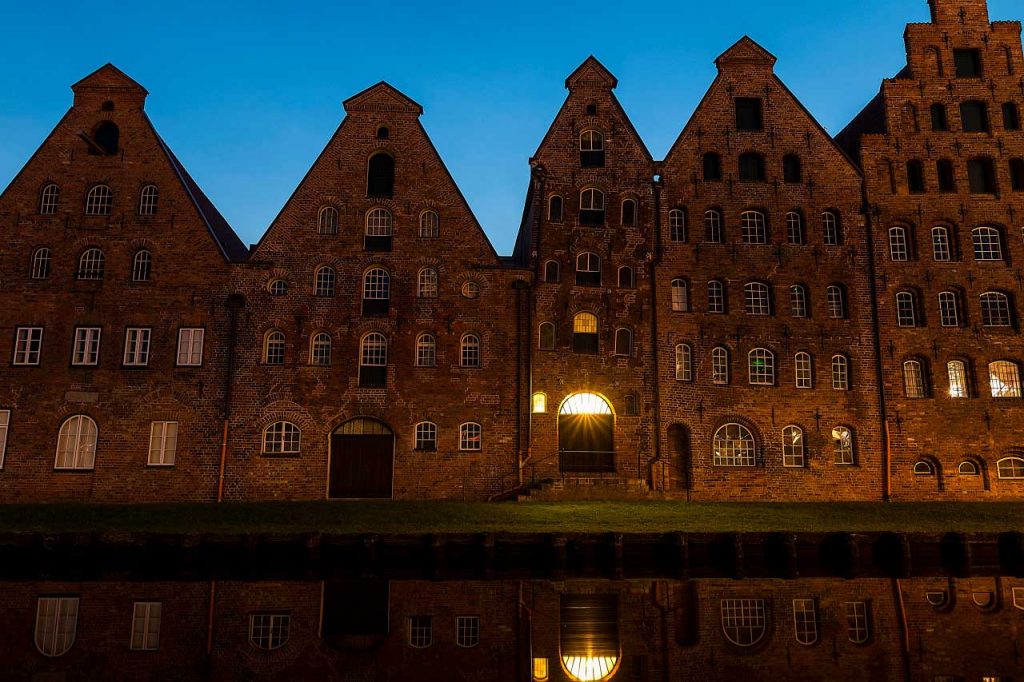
x,y
765,313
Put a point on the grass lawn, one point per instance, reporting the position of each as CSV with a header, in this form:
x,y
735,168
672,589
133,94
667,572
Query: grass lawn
x,y
565,517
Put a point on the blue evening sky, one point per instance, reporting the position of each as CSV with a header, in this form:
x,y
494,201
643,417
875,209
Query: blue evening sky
x,y
247,94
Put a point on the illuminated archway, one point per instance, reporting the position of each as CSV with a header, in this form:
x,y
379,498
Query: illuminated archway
x,y
589,646
585,403
586,434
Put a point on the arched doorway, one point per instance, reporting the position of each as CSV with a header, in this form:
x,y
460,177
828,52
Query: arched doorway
x,y
588,638
586,435
362,460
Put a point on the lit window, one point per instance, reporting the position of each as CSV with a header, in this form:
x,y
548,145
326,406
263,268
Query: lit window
x,y
470,355
277,287
734,446
720,366
421,632
76,443
629,212
426,436
680,296
941,250
426,283
430,225
584,333
830,229
142,266
804,370
136,346
87,346
957,370
805,621
540,403
716,297
836,299
798,300
591,207
269,630
1010,468
323,281
857,621
467,631
713,226
373,361
281,438
148,199
753,227
540,670
623,342
906,310
555,205
56,625
949,309
426,350
842,441
28,345
761,367
99,201
743,621
327,220
588,270
684,362
320,350
5,425
470,437
987,244
677,225
146,616
899,249
546,340
995,309
1004,379
840,373
41,263
378,230
794,228
793,446
48,200
756,298
91,265
163,443
376,292
190,347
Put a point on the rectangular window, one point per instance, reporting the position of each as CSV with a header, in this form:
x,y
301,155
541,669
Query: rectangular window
x,y
982,176
421,631
87,346
840,373
146,626
28,345
163,443
467,631
136,346
190,347
968,63
957,379
805,621
949,313
857,621
5,425
749,114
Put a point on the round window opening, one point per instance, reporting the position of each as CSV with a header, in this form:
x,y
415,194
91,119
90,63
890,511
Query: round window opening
x,y
471,290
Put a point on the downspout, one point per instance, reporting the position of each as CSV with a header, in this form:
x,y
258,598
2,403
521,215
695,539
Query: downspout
x,y
538,222
653,264
901,612
235,303
876,332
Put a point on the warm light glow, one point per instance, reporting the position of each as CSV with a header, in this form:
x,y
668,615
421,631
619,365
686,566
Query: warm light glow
x,y
590,668
586,403
540,669
540,403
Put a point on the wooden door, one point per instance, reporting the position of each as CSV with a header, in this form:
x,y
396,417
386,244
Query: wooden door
x,y
362,466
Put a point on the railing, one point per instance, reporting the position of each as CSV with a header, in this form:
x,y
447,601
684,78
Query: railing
x,y
586,461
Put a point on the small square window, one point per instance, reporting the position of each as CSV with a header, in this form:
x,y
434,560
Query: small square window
x,y
968,63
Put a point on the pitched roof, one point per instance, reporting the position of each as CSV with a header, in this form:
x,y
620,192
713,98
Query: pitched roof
x,y
109,76
870,121
382,97
591,72
746,50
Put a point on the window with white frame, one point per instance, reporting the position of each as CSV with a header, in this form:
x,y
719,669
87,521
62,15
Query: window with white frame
x,y
913,379
327,220
376,291
146,616
1010,468
794,228
41,259
830,229
804,370
744,621
163,443
378,223
592,207
805,621
421,631
281,438
949,309
626,278
942,251
906,309
148,199
720,366
190,346
426,350
470,437
588,270
99,201
899,248
1004,379
426,283
430,224
756,298
684,362
373,360
968,468
136,346
56,625
470,351
5,425
734,446
716,297
957,371
320,350
842,443
269,631
87,347
753,228
680,295
995,309
677,225
426,436
76,443
323,281
761,367
91,265
28,345
467,631
836,299
539,403
48,200
857,621
142,266
988,244
840,373
798,300
793,447
1018,597
713,226
277,287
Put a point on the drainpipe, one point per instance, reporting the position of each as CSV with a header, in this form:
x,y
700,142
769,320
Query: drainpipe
x,y
537,221
235,303
876,332
654,262
901,612
520,285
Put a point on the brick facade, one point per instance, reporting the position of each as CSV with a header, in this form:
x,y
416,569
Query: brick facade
x,y
373,344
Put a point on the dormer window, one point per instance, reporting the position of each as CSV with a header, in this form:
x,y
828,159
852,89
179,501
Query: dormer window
x,y
591,149
749,114
968,63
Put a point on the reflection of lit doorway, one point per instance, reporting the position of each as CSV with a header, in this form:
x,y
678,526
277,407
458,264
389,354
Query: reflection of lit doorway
x,y
362,460
589,636
586,435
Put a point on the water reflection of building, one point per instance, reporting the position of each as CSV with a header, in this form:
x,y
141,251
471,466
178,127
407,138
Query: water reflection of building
x,y
814,629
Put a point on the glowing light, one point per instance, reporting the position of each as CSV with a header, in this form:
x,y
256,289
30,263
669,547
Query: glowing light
x,y
586,403
590,668
540,403
540,669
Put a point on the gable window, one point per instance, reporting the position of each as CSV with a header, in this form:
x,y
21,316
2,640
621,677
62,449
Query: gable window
x,y
136,346
684,362
830,228
842,442
539,403
716,297
327,221
373,361
792,446
552,271
320,350
56,625
1004,379
1011,468
713,226
555,204
967,63
1017,175
76,443
794,228
752,168
591,207
146,616
99,201
995,309
857,622
470,437
805,621
163,443
376,292
426,283
273,348
913,379
798,300
269,631
588,270
761,367
323,281
629,212
380,176
430,225
749,114
949,309
791,169
426,350
987,244
899,248
720,366
626,278
378,230
142,266
734,446
28,345
981,174
190,347
426,437
712,163
591,149
584,333
680,296
677,225
915,177
753,227
5,424
941,245
91,265
940,121
947,179
906,309
1011,116
107,138
756,298
840,373
957,371
623,342
41,263
87,346
547,336
470,355
421,632
804,371
49,198
148,199
282,438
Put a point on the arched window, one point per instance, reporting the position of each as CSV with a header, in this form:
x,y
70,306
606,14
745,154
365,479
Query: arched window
x,y
623,342
734,446
756,300
1004,379
626,278
91,264
793,446
946,176
712,167
720,366
148,198
469,355
591,149
584,333
56,625
906,309
142,266
840,373
426,437
949,309
967,468
743,621
41,259
988,244
546,340
323,281
629,212
277,287
281,438
378,230
588,270
684,362
107,138
923,467
373,361
49,199
426,350
713,226
76,443
470,437
836,298
942,250
592,207
320,350
958,385
539,403
376,292
791,168
914,380
804,369
761,367
430,225
940,123
327,220
677,225
831,229
995,309
805,621
915,176
794,228
380,176
857,628
798,300
842,443
273,348
974,116
1010,468
680,295
716,297
99,201
555,205
383,133
552,271
426,283
753,227
752,168
899,245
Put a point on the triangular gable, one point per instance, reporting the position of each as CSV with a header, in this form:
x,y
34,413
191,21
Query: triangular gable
x,y
746,51
591,72
382,97
108,77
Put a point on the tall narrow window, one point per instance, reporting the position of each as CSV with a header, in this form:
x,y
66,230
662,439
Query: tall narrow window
x,y
552,271
798,300
712,167
430,225
753,227
323,281
136,346
190,347
376,292
380,176
470,351
793,446
804,370
794,228
41,259
749,115
857,622
915,176
791,169
680,296
974,117
899,246
840,373
539,403
942,251
426,283
327,220
99,201
623,342
995,309
987,244
629,212
588,270
684,362
949,309
981,174
734,446
756,298
76,443
591,207
426,437
373,361
940,121
947,178
627,280
470,437
320,350
546,336
87,346
713,226
677,225
957,371
842,442
56,625
49,198
1004,379
591,149
378,230
555,205
107,138
28,345
720,366
91,265
752,168
426,350
584,333
761,367
913,379
148,198
716,297
831,229
1017,175
163,443
1011,116
274,348
805,621
142,266
146,616
906,309
5,425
